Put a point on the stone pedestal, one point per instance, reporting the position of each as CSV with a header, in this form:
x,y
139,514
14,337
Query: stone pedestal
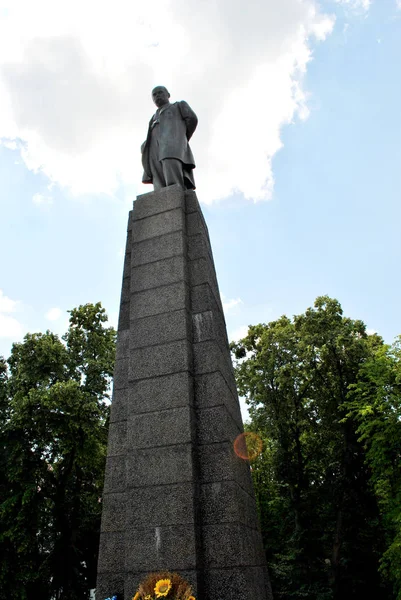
x,y
176,496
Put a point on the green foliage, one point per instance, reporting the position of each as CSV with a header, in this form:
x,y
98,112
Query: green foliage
x,y
375,403
54,410
320,520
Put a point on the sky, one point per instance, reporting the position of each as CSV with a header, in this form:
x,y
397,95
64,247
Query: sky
x,y
298,151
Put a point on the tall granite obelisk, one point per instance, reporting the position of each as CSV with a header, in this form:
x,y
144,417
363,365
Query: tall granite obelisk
x,y
176,496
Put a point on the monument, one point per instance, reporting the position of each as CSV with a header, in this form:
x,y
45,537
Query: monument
x,y
176,496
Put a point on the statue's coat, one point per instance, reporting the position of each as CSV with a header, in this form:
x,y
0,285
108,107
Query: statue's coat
x,y
177,123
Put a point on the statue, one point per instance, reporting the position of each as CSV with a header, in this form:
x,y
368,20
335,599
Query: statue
x,y
167,158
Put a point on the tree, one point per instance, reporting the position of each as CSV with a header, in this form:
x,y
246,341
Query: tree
x,y
54,410
374,402
320,519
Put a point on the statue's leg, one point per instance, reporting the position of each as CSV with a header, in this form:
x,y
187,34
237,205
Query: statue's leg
x,y
173,171
155,164
157,175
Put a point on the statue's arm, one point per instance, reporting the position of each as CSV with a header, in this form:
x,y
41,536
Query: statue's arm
x,y
190,118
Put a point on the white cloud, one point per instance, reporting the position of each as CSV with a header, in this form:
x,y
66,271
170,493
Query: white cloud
x,y
370,331
10,327
398,3
75,81
230,304
39,199
53,314
356,5
239,333
6,304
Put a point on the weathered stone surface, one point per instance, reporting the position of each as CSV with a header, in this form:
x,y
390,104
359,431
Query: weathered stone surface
x,y
160,393
160,272
159,360
124,315
227,502
240,583
176,495
149,204
160,428
114,511
152,548
159,224
114,477
170,504
218,462
109,583
153,249
160,329
216,424
113,552
123,344
160,465
121,373
117,438
118,409
167,298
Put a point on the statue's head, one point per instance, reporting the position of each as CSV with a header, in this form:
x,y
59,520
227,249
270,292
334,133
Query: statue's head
x,y
160,95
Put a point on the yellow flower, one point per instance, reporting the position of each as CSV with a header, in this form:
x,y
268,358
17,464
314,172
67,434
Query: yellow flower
x,y
148,597
191,598
162,587
136,597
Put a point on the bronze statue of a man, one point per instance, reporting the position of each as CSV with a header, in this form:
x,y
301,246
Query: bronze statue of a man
x,y
166,156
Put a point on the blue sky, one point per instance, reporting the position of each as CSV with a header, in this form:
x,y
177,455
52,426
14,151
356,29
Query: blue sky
x,y
316,207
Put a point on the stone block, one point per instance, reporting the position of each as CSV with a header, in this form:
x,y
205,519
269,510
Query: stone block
x,y
109,584
172,244
210,325
216,424
160,329
158,273
161,505
117,438
160,428
112,550
218,462
129,222
209,358
199,247
159,466
160,393
160,360
241,583
153,548
211,389
114,477
227,545
122,349
201,272
203,326
227,502
160,224
204,298
196,224
160,201
118,409
168,298
120,373
126,287
191,202
113,512
127,264
124,316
